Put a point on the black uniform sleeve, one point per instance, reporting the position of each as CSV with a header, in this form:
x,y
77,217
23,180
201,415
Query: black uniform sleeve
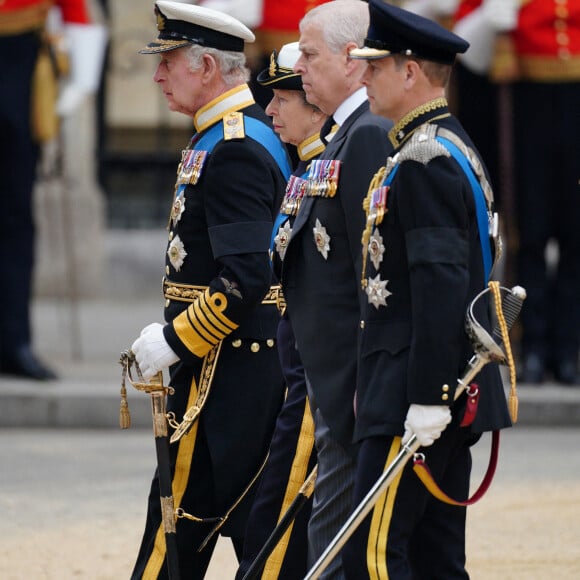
x,y
435,220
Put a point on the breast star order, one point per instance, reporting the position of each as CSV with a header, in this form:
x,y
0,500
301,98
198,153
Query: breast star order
x,y
178,208
376,248
377,291
176,253
321,239
282,238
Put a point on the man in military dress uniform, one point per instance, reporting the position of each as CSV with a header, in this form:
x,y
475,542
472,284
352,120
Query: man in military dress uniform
x,y
321,267
220,309
424,260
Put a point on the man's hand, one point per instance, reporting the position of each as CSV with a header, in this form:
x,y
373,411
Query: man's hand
x,y
152,352
426,422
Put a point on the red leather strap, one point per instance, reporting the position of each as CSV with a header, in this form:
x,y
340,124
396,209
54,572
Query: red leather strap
x,y
424,474
470,405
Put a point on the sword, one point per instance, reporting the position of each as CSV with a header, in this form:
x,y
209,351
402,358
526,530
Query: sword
x,y
487,350
158,393
298,502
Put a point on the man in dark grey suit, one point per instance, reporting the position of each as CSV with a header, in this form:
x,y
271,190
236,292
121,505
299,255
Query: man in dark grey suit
x,y
322,266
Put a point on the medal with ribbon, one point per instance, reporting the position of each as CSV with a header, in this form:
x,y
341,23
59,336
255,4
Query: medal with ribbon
x,y
323,178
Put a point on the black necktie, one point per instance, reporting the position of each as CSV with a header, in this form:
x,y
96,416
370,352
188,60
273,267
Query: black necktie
x,y
329,127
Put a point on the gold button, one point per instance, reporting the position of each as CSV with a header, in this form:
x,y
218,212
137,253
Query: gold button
x,y
444,397
564,53
270,342
167,270
237,343
167,303
445,388
170,235
362,323
255,347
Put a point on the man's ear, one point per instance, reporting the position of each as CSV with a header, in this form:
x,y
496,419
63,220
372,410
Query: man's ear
x,y
352,64
209,67
413,72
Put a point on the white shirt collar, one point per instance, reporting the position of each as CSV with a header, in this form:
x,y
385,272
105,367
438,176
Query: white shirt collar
x,y
349,105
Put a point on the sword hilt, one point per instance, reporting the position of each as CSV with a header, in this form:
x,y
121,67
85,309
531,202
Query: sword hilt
x,y
511,305
490,346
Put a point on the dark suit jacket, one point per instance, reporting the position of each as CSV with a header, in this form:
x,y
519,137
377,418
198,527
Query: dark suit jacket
x,y
416,343
324,295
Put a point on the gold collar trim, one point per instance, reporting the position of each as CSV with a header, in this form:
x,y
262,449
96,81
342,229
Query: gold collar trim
x,y
233,100
400,131
310,147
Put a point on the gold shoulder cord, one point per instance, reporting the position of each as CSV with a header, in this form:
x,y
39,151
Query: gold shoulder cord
x,y
513,396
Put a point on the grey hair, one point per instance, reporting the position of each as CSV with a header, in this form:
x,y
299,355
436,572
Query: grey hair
x,y
232,65
341,22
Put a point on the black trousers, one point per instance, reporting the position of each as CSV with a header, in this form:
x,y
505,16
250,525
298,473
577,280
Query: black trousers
x,y
292,457
547,157
18,160
410,534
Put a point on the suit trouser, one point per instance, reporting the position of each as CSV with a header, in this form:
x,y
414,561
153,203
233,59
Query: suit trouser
x,y
332,499
409,534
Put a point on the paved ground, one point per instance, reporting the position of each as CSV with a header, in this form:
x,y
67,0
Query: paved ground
x,y
73,486
72,506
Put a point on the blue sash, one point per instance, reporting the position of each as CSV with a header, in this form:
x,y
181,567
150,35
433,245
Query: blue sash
x,y
257,131
480,205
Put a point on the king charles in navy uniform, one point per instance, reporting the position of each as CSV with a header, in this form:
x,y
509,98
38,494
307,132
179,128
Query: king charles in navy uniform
x,y
219,336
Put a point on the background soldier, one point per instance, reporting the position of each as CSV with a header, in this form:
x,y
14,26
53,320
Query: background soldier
x,y
28,118
221,317
541,58
425,259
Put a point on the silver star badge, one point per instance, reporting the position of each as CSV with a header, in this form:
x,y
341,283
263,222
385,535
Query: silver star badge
x,y
377,291
177,209
321,239
176,253
282,238
376,248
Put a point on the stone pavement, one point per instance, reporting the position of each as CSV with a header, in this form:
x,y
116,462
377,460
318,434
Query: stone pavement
x,y
83,340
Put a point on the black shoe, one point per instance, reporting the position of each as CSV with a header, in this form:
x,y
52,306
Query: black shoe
x,y
23,363
566,372
533,369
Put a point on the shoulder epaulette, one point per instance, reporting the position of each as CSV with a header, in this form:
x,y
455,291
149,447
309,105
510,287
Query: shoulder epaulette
x,y
422,146
233,124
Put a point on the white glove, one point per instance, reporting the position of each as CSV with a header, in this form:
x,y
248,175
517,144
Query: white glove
x,y
501,15
152,352
426,422
86,44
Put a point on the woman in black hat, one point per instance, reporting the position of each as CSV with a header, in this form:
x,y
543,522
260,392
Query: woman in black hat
x,y
292,453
